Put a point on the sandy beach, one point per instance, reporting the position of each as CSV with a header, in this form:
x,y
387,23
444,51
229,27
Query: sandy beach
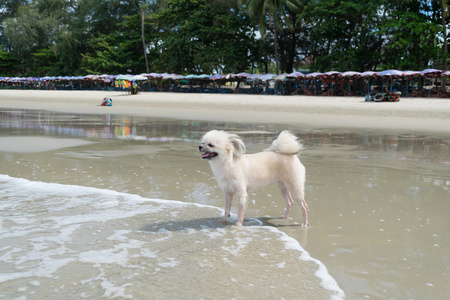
x,y
88,195
410,114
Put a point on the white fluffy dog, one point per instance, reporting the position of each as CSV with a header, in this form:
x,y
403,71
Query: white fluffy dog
x,y
238,173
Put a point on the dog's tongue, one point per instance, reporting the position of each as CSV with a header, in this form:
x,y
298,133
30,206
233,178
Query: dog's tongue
x,y
206,155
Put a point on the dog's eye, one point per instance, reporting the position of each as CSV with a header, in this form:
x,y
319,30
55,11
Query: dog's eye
x,y
211,145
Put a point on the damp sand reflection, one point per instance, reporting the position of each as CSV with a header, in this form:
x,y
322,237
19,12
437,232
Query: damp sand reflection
x,y
379,203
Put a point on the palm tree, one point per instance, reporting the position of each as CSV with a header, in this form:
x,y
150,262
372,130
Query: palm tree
x,y
143,37
271,14
444,7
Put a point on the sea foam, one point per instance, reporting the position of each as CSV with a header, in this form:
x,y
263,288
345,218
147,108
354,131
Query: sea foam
x,y
91,242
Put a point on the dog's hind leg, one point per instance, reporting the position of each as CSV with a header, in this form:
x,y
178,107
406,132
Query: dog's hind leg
x,y
300,198
304,211
287,196
298,193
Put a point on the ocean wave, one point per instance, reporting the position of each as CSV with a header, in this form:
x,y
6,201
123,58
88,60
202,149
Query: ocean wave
x,y
80,241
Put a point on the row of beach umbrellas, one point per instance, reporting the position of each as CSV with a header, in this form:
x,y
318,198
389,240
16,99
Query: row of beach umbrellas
x,y
429,73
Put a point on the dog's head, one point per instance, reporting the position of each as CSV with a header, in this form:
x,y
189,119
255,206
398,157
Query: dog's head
x,y
217,143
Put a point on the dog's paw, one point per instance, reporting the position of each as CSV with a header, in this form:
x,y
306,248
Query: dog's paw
x,y
304,224
238,225
283,217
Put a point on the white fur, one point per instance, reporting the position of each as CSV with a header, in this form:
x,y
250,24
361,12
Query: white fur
x,y
238,173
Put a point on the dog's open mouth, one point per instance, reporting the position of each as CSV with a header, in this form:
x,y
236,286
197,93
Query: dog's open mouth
x,y
209,155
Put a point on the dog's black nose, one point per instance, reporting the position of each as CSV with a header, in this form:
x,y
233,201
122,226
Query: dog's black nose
x,y
200,148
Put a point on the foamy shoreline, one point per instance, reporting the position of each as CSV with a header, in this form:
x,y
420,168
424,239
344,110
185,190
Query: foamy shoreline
x,y
408,115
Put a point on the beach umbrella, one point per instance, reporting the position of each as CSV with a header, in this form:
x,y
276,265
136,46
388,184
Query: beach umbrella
x,y
412,73
331,74
217,77
254,77
280,77
243,74
165,75
172,76
431,72
295,75
89,76
313,75
203,76
125,77
139,78
229,76
266,77
348,75
107,78
368,74
131,77
351,74
409,76
390,73
152,75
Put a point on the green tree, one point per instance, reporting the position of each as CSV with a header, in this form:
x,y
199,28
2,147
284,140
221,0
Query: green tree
x,y
273,15
115,53
45,63
71,37
144,45
380,34
8,8
63,27
94,19
411,35
29,30
344,35
10,65
200,37
444,14
35,26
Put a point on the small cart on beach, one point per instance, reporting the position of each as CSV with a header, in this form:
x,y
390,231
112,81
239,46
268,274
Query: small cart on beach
x,y
379,97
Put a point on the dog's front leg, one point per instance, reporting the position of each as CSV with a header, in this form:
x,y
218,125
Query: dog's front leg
x,y
228,200
242,203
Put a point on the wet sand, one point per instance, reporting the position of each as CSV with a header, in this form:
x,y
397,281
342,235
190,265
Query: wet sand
x,y
408,115
378,205
222,261
374,213
23,144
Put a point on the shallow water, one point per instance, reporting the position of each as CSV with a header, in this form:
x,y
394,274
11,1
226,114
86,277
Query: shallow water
x,y
378,213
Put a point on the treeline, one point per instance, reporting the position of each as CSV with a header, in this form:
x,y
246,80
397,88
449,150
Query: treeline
x,y
79,37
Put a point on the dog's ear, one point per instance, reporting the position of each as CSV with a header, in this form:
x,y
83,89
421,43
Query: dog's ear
x,y
238,146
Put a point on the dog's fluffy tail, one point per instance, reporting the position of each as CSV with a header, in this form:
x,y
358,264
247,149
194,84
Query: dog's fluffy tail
x,y
286,143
